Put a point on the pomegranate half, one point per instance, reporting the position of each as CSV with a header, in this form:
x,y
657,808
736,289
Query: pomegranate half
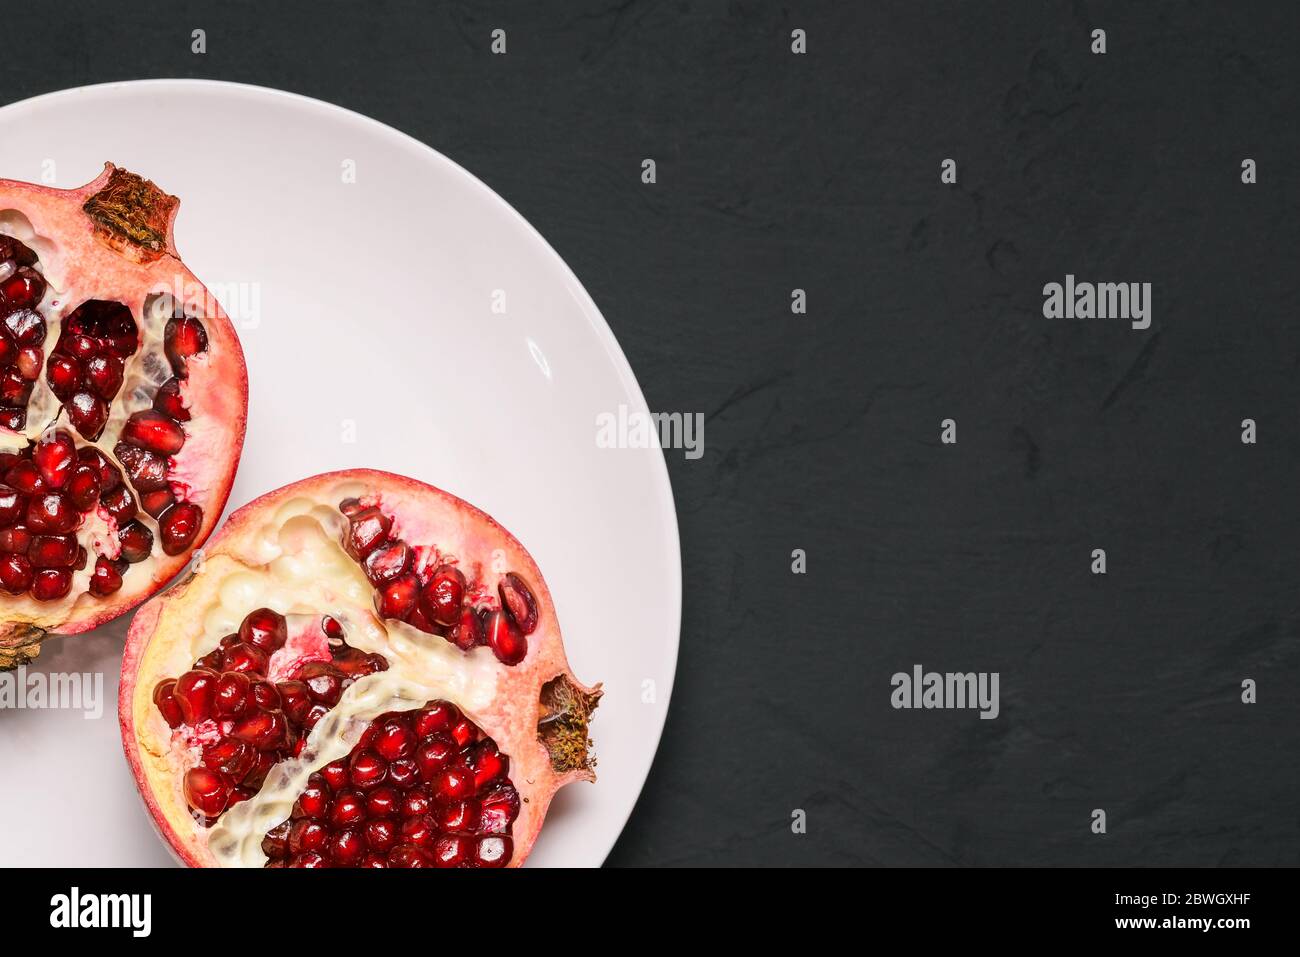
x,y
362,671
123,401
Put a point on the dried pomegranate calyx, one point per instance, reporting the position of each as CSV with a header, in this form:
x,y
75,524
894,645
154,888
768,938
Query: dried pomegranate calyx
x,y
133,215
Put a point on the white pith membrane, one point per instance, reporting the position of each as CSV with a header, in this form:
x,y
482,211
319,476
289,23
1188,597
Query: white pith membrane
x,y
80,266
287,556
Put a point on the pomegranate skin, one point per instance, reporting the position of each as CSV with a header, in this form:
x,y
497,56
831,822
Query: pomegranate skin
x,y
112,240
515,705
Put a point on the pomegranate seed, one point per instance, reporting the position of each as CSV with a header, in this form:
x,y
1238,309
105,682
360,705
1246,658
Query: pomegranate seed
x,y
147,470
244,658
136,542
374,861
169,402
432,756
63,373
52,512
207,791
323,683
504,638
51,584
307,859
15,573
155,432
23,289
55,458
109,476
194,693
157,501
346,848
369,528
435,717
463,732
387,562
450,850
307,835
397,598
333,630
487,763
183,338
416,803
25,477
120,504
453,783
179,526
295,700
88,413
394,741
418,831
106,579
276,842
265,761
444,594
84,486
52,551
314,802
104,375
314,714
266,696
403,773
16,540
367,770
381,802
348,808
264,730
11,505
498,809
232,758
380,835
493,850
459,816
264,629
231,698
407,855
468,632
25,327
166,702
335,774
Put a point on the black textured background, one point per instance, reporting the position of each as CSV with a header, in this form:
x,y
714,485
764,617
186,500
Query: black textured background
x,y
821,172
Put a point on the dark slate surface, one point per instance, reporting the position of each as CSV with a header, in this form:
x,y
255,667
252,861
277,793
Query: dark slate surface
x,y
822,172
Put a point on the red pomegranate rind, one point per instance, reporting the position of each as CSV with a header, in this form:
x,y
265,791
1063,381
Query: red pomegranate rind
x,y
123,399
294,553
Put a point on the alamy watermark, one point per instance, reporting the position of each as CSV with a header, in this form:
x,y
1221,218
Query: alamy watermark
x,y
63,691
627,429
1101,300
241,301
952,689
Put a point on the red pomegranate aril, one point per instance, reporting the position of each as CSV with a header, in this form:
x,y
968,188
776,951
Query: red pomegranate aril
x,y
179,526
231,698
194,692
387,562
120,504
394,741
63,373
23,289
242,657
52,512
403,773
295,700
332,628
498,809
265,761
54,458
25,477
459,816
25,327
347,848
314,802
314,714
52,551
264,629
367,770
323,683
136,541
12,505
307,835
463,732
348,808
493,851
450,850
468,632
183,339
109,476
335,774
147,470
104,375
232,758
488,764
433,754
169,402
368,529
207,791
415,803
28,363
444,594
51,584
504,639
381,802
308,860
88,413
453,783
264,730
435,717
15,573
155,432
398,598
407,855
418,831
266,696
381,835
158,501
84,487
166,703
106,578
276,842
16,540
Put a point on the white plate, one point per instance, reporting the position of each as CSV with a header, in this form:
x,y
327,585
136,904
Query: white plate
x,y
375,318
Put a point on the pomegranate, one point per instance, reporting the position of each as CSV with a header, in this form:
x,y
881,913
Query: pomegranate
x,y
123,399
364,671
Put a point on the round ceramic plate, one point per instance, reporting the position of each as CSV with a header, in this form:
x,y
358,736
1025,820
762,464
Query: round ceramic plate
x,y
395,313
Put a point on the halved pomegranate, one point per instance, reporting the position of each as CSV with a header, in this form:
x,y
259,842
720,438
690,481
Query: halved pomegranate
x,y
123,399
364,671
